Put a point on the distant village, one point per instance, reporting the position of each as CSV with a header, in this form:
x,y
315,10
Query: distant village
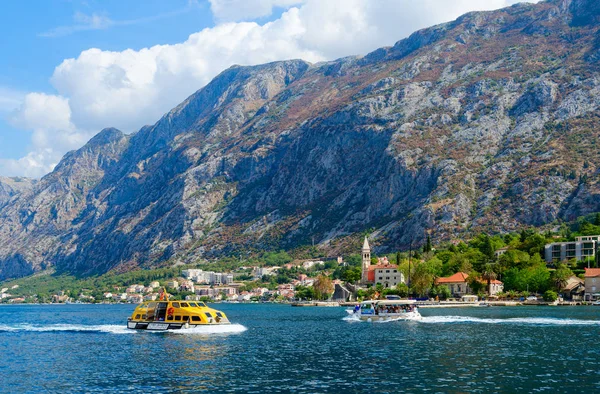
x,y
380,274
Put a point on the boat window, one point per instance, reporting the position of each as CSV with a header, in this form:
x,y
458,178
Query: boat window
x,y
202,305
176,305
137,316
144,316
208,314
151,304
193,304
170,317
219,314
185,318
195,318
184,305
177,317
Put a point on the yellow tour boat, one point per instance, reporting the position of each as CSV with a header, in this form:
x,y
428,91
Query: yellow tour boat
x,y
174,315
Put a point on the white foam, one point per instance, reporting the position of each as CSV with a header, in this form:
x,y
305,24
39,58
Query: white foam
x,y
211,330
516,320
111,329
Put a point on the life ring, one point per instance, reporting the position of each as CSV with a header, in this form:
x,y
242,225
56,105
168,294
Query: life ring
x,y
170,311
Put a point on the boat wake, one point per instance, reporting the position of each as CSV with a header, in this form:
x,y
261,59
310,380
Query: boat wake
x,y
110,329
351,318
118,329
211,330
538,321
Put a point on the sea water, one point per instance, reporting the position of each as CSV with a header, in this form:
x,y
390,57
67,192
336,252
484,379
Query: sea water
x,y
278,348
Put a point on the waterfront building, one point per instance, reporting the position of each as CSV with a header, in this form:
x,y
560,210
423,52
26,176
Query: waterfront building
x,y
592,284
457,284
574,289
155,284
384,273
583,248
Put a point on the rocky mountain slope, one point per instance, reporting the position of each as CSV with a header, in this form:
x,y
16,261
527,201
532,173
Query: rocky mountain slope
x,y
488,122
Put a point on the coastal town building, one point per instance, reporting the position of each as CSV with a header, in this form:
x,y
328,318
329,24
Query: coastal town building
x,y
574,289
583,248
310,264
384,273
592,284
459,286
173,284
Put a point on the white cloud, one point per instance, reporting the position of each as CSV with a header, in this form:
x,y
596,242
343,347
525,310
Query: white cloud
x,y
243,10
52,134
10,99
131,88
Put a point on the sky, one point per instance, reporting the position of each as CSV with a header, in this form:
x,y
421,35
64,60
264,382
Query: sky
x,y
73,67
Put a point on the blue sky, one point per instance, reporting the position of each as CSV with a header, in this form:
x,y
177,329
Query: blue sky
x,y
33,56
72,67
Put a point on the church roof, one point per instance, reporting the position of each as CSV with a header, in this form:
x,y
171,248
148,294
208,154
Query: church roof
x,y
366,244
382,267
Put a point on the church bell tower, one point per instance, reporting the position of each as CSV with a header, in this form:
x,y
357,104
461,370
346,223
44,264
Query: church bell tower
x,y
366,261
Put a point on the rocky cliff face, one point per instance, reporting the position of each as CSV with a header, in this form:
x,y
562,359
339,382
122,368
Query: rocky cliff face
x,y
488,122
10,187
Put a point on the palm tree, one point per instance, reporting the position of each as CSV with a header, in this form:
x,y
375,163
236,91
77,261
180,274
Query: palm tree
x,y
489,275
561,276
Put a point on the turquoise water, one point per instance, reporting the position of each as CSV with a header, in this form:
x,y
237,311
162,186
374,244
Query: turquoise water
x,y
278,348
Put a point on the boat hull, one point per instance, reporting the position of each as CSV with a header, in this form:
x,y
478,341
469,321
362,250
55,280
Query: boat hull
x,y
391,317
385,316
162,326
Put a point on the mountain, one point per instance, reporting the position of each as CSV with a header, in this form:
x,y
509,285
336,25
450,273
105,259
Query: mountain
x,y
10,187
489,122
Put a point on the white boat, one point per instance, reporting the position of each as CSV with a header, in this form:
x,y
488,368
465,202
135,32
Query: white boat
x,y
386,310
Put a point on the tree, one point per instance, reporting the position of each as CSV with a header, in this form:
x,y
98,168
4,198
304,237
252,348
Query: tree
x,y
427,247
560,276
425,274
352,275
305,293
550,296
487,247
488,275
474,282
323,287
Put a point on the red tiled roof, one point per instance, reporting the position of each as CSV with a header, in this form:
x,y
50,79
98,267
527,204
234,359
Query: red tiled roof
x,y
458,277
592,272
382,266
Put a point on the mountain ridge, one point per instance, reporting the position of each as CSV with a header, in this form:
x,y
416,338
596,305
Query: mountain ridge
x,y
486,122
